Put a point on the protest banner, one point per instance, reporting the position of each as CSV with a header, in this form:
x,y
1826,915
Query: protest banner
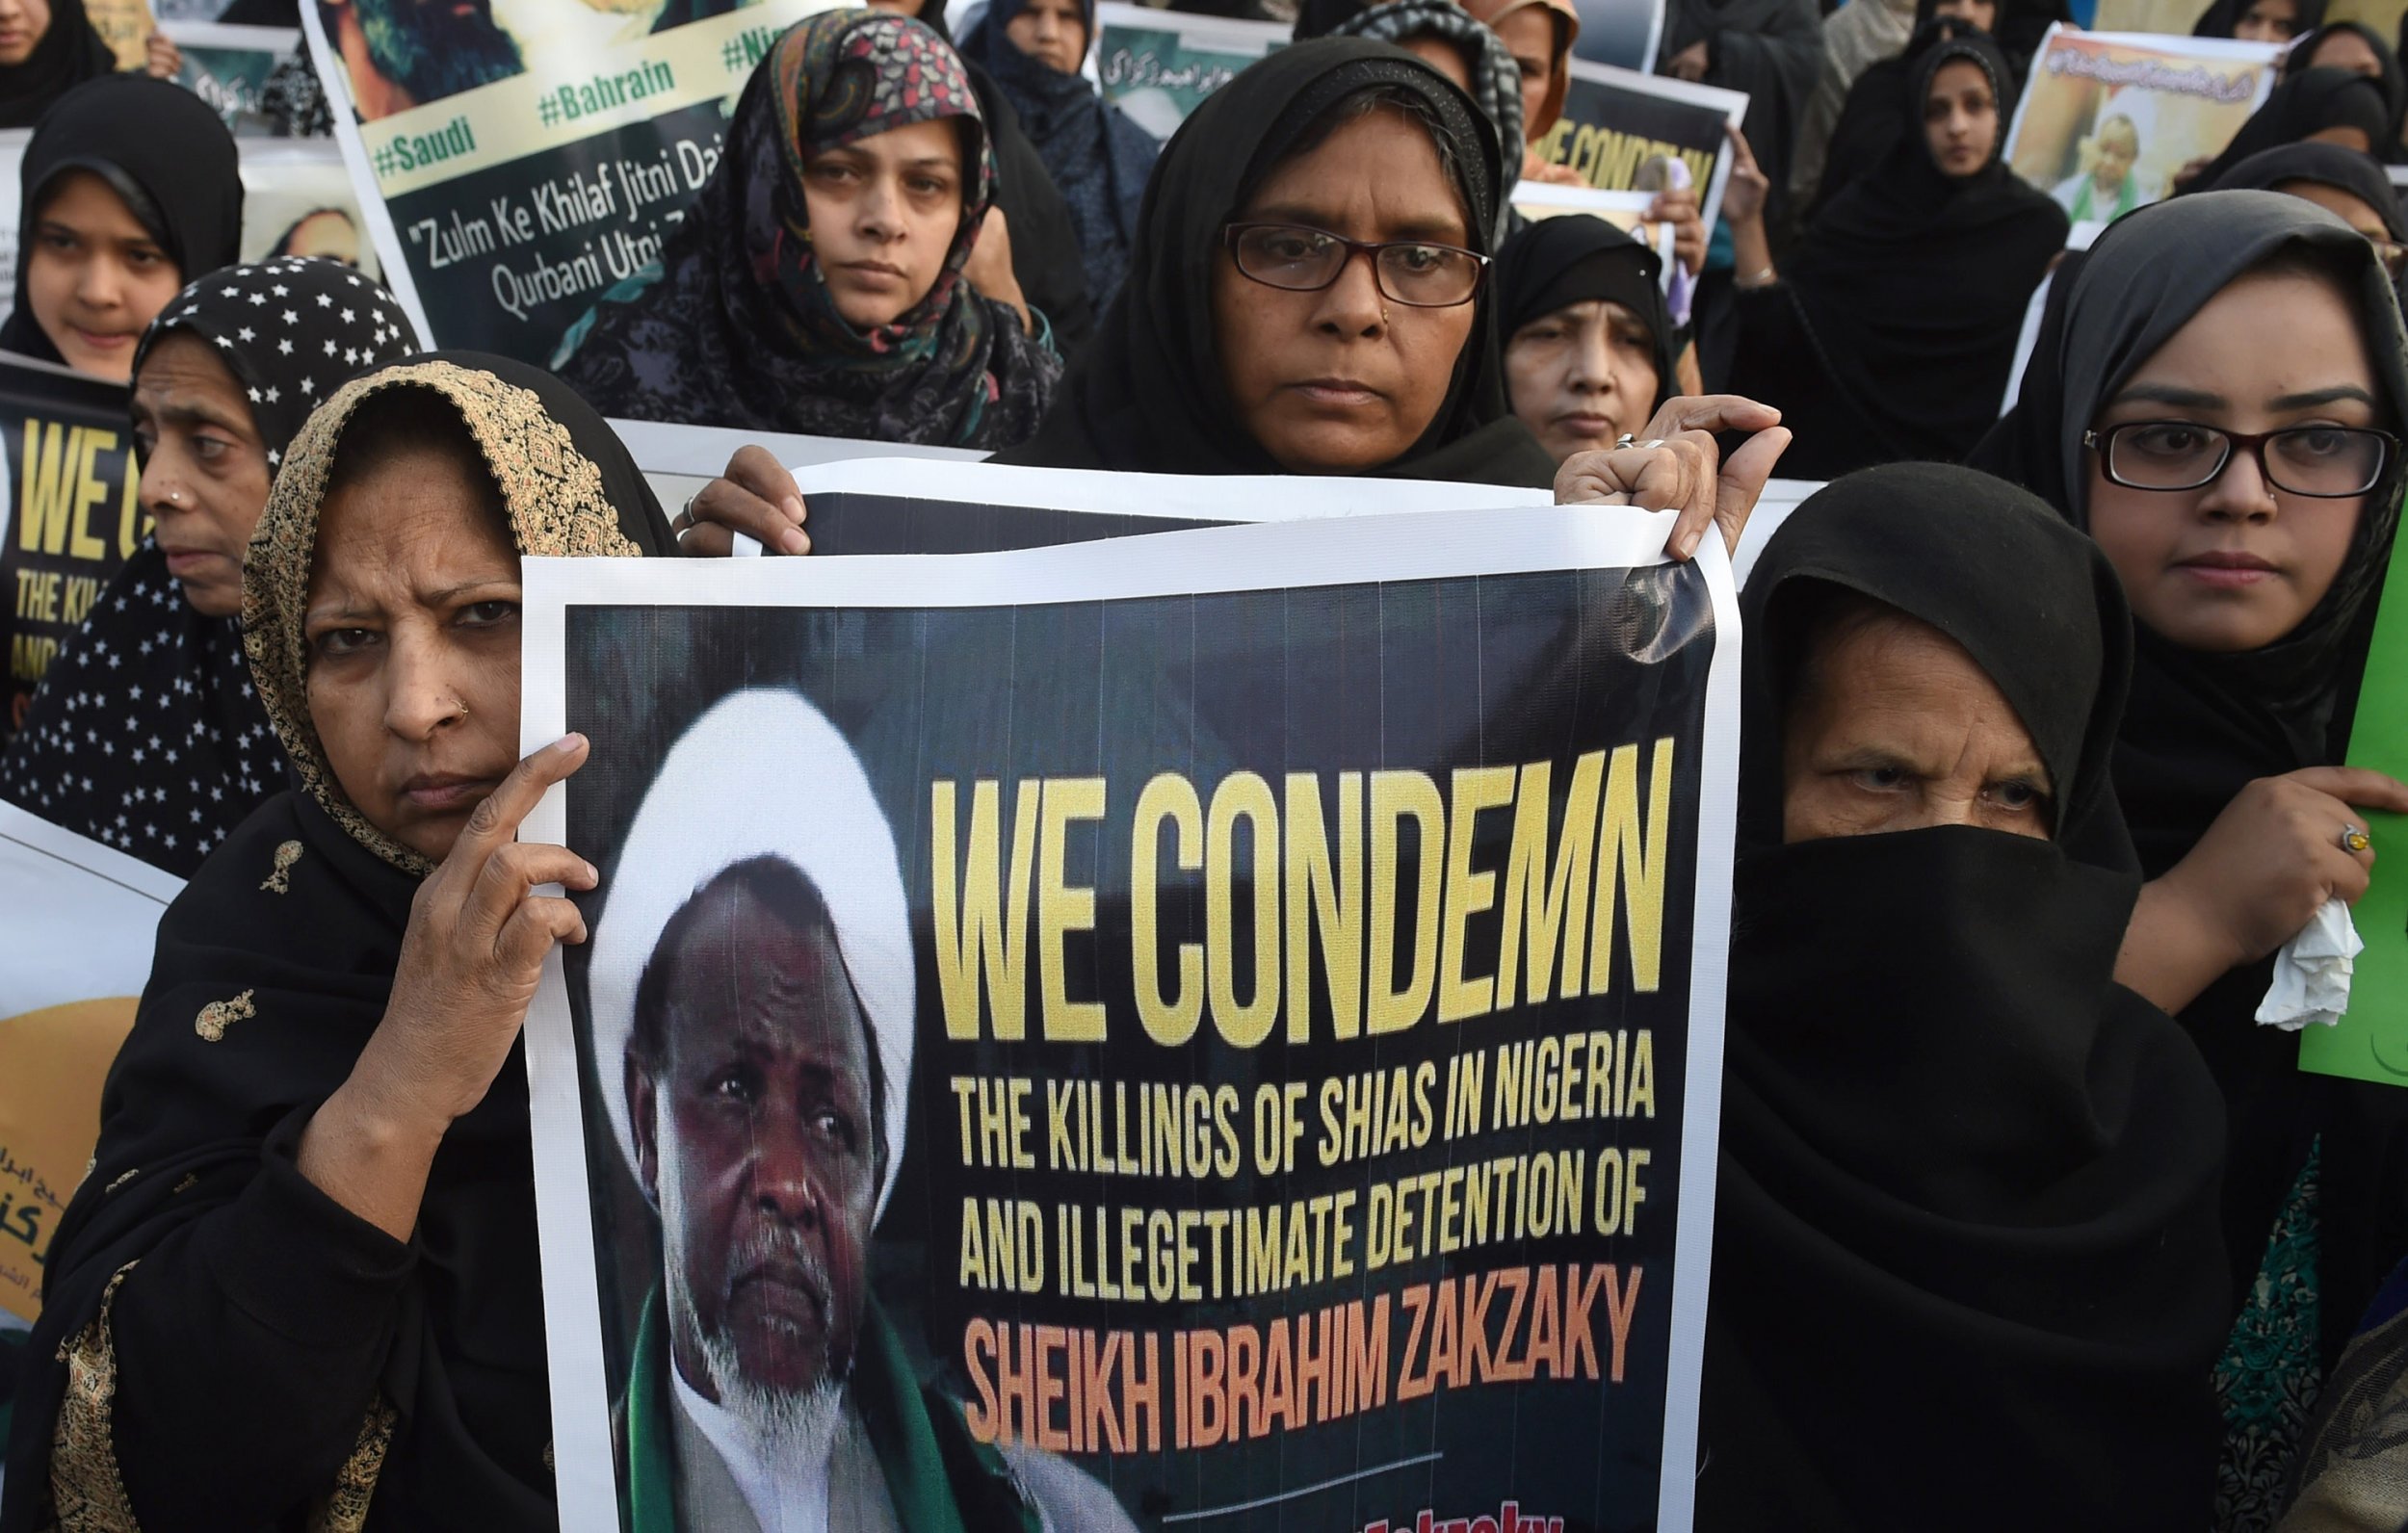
x,y
1159,65
80,923
229,67
1297,1052
2107,118
550,149
1623,32
2371,1041
1618,123
68,515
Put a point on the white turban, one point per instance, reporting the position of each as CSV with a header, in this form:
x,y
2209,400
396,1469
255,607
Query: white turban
x,y
762,774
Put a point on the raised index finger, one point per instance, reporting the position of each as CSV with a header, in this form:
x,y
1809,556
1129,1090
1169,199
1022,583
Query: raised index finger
x,y
495,821
1712,412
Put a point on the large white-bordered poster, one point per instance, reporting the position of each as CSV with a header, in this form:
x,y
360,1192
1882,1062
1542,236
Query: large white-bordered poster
x,y
1197,1028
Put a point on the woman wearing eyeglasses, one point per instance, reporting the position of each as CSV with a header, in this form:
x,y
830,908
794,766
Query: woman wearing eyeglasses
x,y
2216,399
1304,289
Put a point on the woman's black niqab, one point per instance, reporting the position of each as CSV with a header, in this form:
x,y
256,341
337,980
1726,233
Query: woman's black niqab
x,y
163,150
2201,726
1148,396
2302,105
2393,81
1965,1263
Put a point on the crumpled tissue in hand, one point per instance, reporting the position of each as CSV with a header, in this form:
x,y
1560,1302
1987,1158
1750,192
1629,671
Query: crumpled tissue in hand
x,y
2311,973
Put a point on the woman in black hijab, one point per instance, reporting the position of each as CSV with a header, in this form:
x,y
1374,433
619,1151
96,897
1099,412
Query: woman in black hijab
x,y
67,51
1771,50
372,1303
2242,312
1588,351
158,666
1877,114
1889,333
157,195
2260,20
2355,48
1965,1266
1200,368
2321,106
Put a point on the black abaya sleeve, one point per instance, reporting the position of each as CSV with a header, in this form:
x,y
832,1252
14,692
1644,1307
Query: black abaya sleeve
x,y
282,1300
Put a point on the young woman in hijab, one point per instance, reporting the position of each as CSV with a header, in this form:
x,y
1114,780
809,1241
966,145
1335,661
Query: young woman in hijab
x,y
2260,20
2318,106
1880,111
820,283
1096,157
1589,344
1851,126
47,48
1771,50
222,385
2216,398
128,185
316,1200
1045,250
1985,1169
1889,332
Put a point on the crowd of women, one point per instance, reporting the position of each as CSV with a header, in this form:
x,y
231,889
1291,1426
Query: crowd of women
x,y
2023,1221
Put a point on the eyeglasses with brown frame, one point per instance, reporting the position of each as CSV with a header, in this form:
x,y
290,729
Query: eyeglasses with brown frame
x,y
1298,258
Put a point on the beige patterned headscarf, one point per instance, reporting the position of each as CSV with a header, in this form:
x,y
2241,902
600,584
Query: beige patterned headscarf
x,y
553,494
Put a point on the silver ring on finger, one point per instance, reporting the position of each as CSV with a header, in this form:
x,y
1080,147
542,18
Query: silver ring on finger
x,y
2354,840
683,522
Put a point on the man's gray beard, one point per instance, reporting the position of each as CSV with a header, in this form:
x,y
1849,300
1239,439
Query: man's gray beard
x,y
787,1425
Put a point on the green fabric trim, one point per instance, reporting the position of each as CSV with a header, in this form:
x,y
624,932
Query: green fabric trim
x,y
922,1442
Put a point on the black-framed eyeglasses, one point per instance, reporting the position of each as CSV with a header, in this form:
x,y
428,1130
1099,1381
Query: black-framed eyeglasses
x,y
2325,461
1302,259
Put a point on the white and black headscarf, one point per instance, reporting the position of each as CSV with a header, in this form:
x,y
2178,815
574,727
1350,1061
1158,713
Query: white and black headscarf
x,y
148,735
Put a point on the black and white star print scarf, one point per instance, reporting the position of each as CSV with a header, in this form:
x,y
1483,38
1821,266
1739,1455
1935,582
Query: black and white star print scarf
x,y
146,733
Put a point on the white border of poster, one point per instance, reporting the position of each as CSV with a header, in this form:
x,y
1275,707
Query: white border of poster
x,y
375,220
1304,553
